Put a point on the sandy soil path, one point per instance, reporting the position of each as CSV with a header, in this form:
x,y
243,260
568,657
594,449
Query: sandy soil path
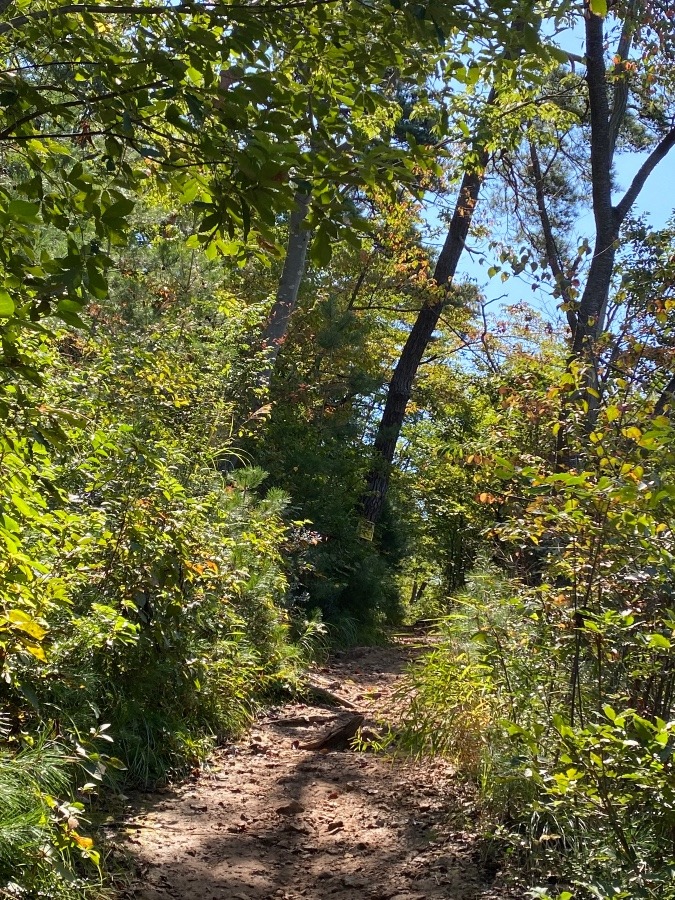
x,y
269,820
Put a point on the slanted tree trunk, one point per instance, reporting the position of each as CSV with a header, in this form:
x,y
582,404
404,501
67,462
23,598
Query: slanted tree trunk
x,y
418,589
289,285
401,384
553,257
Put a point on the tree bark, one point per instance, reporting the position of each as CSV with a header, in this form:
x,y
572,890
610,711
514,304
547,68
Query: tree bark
x,y
605,125
593,304
289,285
401,384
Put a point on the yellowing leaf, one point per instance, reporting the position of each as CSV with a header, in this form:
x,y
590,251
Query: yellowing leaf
x,y
485,497
85,842
598,7
659,642
20,619
36,650
612,413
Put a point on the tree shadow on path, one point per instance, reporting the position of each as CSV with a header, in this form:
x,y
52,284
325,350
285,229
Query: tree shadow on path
x,y
272,821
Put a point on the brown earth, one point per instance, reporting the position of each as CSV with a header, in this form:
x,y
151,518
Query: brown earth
x,y
266,819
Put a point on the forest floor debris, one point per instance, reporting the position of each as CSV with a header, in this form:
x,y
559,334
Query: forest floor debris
x,y
268,820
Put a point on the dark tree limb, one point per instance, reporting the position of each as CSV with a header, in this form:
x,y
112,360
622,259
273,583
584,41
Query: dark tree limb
x,y
620,97
552,255
666,399
601,147
658,154
591,310
71,104
219,10
322,693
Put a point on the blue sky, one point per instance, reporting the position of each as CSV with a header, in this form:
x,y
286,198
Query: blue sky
x,y
656,201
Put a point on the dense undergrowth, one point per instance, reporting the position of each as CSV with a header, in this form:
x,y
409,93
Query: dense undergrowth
x,y
552,685
582,809
175,550
145,579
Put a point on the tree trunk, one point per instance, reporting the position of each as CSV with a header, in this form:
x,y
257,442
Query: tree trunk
x,y
289,285
593,304
401,384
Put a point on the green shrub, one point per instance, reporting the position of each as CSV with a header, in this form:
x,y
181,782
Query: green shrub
x,y
42,850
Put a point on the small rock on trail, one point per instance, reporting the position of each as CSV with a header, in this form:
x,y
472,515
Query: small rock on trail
x,y
268,820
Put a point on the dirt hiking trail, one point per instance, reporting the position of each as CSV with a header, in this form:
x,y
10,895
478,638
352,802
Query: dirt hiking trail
x,y
267,819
